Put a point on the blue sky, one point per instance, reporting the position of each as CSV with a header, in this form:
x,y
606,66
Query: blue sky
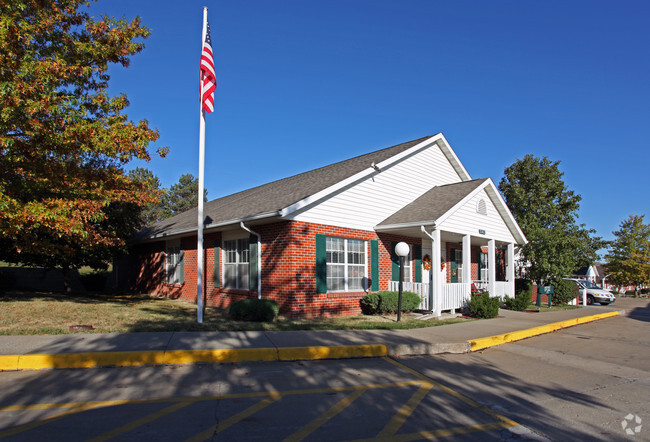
x,y
305,83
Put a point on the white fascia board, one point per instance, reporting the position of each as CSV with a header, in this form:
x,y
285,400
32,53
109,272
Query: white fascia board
x,y
446,149
498,202
388,227
505,212
357,177
189,230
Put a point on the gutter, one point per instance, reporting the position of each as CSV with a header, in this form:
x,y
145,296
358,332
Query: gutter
x,y
259,258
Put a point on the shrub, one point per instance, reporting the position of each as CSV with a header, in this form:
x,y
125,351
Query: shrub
x,y
258,310
386,302
563,291
7,280
482,306
523,293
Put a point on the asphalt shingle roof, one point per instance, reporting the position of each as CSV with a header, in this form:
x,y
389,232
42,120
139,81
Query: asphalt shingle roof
x,y
274,196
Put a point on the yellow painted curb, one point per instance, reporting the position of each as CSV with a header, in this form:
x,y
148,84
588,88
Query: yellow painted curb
x,y
125,358
346,351
9,362
88,360
224,355
491,341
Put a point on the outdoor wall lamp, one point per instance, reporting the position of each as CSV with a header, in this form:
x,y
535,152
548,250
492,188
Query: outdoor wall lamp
x,y
401,250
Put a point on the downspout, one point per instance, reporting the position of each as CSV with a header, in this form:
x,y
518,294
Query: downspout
x,y
259,258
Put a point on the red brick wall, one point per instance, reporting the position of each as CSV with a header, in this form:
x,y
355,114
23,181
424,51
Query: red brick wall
x,y
288,252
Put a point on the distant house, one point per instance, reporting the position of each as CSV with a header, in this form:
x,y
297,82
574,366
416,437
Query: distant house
x,y
590,273
318,241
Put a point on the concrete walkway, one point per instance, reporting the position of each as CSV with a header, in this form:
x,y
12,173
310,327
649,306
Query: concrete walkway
x,y
120,349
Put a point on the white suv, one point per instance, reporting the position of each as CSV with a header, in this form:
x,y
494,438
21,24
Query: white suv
x,y
594,293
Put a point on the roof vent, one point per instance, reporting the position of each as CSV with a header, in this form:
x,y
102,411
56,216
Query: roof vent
x,y
481,207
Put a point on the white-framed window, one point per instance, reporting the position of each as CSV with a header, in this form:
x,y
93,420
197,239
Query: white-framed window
x,y
346,264
173,262
235,265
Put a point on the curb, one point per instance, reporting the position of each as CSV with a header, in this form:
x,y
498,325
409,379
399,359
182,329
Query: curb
x,y
130,358
491,341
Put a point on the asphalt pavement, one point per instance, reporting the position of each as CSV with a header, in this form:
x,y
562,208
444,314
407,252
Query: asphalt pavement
x,y
122,349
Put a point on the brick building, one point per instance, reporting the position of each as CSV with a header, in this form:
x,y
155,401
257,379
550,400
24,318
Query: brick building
x,y
318,241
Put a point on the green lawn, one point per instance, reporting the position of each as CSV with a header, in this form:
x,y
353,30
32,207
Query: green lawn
x,y
34,312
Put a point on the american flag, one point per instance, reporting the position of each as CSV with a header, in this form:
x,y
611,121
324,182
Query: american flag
x,y
208,77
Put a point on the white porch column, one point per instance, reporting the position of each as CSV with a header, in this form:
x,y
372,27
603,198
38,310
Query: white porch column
x,y
492,264
467,259
510,270
436,280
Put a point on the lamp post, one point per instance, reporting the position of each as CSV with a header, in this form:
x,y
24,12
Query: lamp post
x,y
401,250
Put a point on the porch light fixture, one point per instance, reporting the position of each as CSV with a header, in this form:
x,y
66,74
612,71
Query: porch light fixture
x,y
401,250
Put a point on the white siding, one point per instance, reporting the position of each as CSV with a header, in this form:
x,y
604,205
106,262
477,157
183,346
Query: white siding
x,y
467,220
367,203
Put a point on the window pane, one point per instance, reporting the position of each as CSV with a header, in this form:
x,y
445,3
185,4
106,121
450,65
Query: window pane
x,y
355,277
229,276
335,250
242,277
335,277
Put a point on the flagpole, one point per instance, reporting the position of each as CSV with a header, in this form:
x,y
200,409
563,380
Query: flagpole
x,y
199,236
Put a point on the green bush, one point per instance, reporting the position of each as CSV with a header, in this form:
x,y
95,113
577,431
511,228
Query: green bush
x,y
523,293
482,306
258,310
563,291
386,302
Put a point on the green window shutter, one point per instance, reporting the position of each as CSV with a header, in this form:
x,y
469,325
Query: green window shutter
x,y
395,262
417,257
374,265
163,270
217,265
321,263
252,263
182,265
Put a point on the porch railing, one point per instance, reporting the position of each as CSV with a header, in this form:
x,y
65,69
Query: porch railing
x,y
454,295
422,289
501,288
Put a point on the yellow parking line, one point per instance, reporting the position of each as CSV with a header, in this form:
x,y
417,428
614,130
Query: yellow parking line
x,y
407,409
506,421
215,429
31,425
325,417
142,421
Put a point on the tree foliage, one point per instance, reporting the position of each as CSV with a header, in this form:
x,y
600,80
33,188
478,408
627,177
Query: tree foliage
x,y
182,196
153,211
547,211
628,257
65,200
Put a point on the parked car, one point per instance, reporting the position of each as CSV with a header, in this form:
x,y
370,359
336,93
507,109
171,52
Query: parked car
x,y
594,293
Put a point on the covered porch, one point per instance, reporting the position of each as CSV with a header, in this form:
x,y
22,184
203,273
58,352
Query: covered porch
x,y
465,264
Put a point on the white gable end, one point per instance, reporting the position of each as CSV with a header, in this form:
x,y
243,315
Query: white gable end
x,y
478,214
364,204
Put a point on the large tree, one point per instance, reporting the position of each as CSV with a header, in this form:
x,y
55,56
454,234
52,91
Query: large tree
x,y
182,196
65,200
628,258
547,213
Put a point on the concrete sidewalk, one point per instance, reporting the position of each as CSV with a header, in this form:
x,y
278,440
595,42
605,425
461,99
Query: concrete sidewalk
x,y
120,349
